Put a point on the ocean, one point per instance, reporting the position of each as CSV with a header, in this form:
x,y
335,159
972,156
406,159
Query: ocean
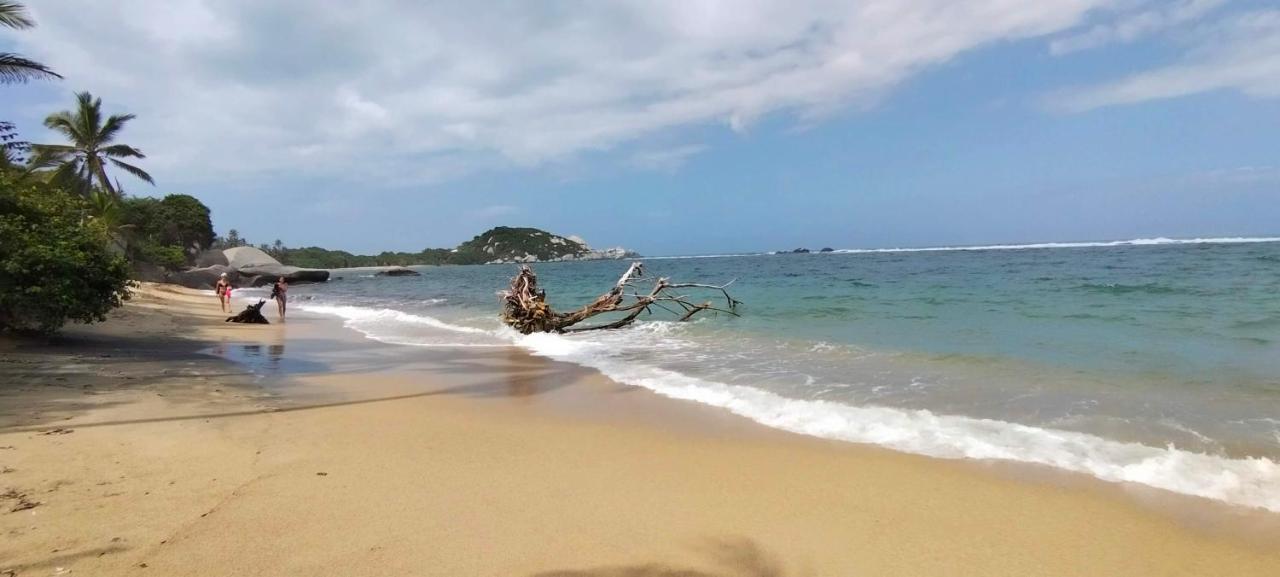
x,y
1150,361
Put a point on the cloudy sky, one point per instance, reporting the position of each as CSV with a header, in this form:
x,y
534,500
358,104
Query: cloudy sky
x,y
685,126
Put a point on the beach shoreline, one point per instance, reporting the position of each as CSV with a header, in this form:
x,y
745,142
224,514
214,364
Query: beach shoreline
x,y
167,440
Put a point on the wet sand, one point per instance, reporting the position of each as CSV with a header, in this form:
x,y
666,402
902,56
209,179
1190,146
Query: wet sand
x,y
166,442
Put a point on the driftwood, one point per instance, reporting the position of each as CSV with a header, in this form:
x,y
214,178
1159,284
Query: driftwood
x,y
525,306
251,314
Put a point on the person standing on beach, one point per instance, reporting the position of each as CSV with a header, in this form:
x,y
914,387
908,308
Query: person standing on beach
x,y
279,292
223,289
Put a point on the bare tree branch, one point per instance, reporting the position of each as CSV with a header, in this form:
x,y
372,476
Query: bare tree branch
x,y
525,306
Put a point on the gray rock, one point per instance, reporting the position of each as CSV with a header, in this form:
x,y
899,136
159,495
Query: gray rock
x,y
203,278
399,271
245,266
267,274
211,257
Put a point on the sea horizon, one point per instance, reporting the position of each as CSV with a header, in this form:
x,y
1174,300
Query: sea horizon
x,y
1091,243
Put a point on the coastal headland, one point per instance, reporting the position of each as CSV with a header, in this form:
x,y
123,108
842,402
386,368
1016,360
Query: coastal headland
x,y
167,442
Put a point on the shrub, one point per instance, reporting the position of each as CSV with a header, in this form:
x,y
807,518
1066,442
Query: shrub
x,y
55,264
176,220
170,257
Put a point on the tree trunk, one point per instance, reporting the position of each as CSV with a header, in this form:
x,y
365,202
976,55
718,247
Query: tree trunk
x,y
525,307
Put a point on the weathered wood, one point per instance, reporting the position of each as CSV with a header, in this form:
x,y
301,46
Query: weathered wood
x,y
251,314
525,307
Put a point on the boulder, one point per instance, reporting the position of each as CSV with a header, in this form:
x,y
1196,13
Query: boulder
x,y
211,257
399,271
827,249
245,266
264,270
265,275
203,278
800,251
147,272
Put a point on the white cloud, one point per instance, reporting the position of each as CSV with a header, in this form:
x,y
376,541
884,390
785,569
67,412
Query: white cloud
x,y
1239,53
665,159
409,92
1134,25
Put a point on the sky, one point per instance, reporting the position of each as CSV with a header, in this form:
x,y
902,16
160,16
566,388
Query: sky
x,y
684,126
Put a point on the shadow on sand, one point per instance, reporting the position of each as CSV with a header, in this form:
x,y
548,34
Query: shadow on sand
x,y
730,557
37,393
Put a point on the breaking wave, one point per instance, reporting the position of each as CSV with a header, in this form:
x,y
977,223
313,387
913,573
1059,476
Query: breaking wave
x,y
1251,482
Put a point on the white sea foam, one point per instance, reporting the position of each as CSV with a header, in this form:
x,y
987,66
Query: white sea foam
x,y
1251,482
1099,244
1089,244
401,328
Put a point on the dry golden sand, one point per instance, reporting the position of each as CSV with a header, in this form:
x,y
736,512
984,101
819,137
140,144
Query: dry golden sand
x,y
145,457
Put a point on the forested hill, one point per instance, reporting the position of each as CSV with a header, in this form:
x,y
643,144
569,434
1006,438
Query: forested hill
x,y
501,244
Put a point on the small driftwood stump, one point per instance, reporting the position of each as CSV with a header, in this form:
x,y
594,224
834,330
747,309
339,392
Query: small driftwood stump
x,y
251,314
525,306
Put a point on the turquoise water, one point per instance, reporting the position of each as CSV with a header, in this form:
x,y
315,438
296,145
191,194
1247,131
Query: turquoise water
x,y
1155,362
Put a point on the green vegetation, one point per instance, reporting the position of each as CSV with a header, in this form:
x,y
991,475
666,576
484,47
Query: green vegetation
x,y
316,257
501,243
13,67
508,243
68,236
55,264
12,148
168,232
59,258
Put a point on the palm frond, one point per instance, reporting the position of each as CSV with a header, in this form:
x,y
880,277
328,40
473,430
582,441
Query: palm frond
x,y
71,176
122,151
49,155
135,171
15,69
88,117
66,124
14,15
112,127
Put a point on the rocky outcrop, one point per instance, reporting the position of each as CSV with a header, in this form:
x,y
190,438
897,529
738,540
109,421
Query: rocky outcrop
x,y
398,271
245,266
211,257
504,245
204,277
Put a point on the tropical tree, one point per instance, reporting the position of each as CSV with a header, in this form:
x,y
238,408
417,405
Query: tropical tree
x,y
55,265
14,68
12,148
106,211
79,164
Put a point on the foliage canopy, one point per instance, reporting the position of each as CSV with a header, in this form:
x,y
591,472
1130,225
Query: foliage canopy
x,y
55,264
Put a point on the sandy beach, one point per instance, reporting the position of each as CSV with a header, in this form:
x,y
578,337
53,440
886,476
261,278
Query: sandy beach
x,y
166,442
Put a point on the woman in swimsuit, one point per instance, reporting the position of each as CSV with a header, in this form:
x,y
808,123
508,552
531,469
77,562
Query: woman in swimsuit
x,y
223,289
279,292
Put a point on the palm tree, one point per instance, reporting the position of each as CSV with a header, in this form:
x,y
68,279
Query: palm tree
x,y
107,211
79,164
15,68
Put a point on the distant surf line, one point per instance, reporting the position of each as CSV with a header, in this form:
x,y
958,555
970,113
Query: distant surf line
x,y
1158,241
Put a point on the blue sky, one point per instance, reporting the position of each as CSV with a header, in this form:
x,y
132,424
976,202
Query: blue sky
x,y
687,127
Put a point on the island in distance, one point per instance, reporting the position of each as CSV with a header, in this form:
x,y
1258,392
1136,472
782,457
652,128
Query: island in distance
x,y
804,251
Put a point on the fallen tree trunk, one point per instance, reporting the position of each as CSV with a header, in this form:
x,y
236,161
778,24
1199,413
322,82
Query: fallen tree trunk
x,y
525,306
